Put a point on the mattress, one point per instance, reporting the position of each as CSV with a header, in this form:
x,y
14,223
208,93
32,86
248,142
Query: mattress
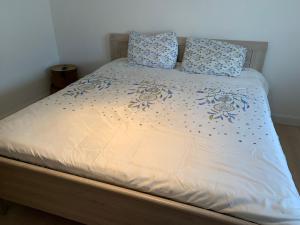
x,y
207,141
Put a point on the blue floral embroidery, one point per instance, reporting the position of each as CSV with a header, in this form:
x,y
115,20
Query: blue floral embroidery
x,y
85,85
148,92
158,50
213,57
225,105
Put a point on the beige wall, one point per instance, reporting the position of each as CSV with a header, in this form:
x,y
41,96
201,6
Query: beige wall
x,y
27,48
82,28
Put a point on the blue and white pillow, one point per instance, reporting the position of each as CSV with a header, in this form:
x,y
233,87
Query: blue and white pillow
x,y
157,50
211,57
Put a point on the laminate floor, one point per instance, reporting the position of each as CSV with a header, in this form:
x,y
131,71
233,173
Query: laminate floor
x,y
20,215
290,142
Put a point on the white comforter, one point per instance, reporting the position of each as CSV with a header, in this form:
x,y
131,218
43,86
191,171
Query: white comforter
x,y
203,140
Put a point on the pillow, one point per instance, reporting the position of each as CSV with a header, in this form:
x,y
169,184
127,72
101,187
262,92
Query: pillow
x,y
157,50
213,57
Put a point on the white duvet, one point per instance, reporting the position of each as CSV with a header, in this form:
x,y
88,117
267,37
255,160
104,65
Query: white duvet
x,y
203,140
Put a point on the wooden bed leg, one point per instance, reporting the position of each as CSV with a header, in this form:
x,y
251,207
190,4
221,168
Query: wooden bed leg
x,y
3,207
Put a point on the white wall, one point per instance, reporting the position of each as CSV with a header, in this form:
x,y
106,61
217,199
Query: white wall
x,y
28,46
27,49
82,27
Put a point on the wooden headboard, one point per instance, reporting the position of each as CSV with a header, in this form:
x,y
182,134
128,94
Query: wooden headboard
x,y
255,56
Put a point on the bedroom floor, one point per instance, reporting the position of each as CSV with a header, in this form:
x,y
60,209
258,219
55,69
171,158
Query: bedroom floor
x,y
19,215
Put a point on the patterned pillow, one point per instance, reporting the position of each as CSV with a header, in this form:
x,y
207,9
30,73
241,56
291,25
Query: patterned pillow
x,y
213,57
158,50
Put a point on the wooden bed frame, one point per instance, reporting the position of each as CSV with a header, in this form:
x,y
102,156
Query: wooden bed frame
x,y
97,203
255,55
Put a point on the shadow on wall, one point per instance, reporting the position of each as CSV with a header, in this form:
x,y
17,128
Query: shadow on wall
x,y
87,65
21,96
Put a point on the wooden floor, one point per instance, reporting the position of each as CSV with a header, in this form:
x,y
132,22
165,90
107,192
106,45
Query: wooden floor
x,y
19,215
290,142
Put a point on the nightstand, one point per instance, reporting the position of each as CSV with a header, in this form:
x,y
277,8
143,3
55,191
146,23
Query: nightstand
x,y
62,76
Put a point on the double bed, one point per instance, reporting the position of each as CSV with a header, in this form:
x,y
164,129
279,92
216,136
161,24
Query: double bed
x,y
136,145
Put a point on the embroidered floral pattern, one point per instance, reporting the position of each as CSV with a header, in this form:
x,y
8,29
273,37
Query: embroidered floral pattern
x,y
148,93
211,57
225,104
159,51
86,85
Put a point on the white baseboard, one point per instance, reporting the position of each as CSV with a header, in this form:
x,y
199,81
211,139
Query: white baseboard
x,y
26,102
288,120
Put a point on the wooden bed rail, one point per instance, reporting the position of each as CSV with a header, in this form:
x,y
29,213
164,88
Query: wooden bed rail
x,y
96,203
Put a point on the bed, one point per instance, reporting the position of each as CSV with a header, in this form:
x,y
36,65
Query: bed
x,y
137,145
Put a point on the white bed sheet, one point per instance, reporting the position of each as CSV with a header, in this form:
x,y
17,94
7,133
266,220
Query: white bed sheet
x,y
207,141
